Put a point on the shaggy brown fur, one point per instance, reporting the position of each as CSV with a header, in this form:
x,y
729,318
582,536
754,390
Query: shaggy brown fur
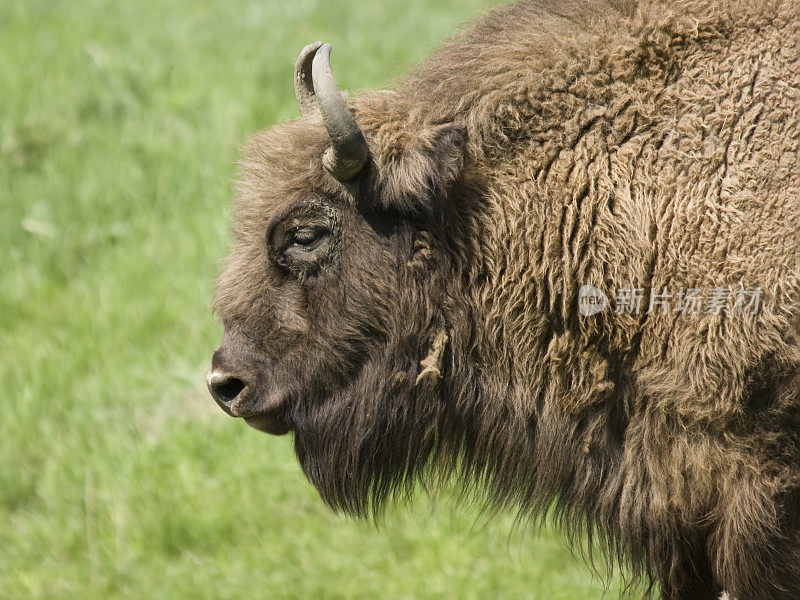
x,y
436,327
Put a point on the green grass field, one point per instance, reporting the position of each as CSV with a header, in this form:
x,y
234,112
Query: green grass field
x,y
119,478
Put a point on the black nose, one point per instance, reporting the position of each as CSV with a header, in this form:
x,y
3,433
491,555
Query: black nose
x,y
224,386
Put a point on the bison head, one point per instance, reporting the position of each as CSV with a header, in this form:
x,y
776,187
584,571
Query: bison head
x,y
335,295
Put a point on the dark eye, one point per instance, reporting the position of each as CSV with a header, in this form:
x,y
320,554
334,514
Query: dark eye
x,y
306,239
307,236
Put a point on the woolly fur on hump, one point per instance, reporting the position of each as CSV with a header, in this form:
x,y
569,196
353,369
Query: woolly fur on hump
x,y
654,147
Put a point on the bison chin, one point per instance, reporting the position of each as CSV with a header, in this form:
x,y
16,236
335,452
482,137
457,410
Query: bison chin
x,y
364,444
275,423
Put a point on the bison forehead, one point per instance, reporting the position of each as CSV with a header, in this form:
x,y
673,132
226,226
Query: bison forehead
x,y
279,166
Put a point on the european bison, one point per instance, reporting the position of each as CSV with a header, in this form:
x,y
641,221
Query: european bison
x,y
558,264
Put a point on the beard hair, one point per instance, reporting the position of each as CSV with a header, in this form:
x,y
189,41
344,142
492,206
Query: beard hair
x,y
370,441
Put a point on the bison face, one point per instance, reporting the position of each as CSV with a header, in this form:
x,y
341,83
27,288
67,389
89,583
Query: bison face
x,y
269,341
333,299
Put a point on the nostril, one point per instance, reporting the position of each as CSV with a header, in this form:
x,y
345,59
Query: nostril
x,y
227,388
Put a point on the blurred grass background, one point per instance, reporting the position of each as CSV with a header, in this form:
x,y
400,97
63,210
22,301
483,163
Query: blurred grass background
x,y
119,478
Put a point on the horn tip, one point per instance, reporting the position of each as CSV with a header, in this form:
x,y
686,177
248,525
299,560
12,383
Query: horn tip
x,y
311,47
303,86
304,55
324,50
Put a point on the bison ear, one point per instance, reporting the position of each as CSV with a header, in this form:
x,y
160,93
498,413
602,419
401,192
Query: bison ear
x,y
420,169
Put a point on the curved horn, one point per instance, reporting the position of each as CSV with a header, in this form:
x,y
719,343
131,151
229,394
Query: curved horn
x,y
348,152
303,86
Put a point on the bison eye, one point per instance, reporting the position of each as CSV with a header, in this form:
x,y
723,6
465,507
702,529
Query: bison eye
x,y
308,236
306,239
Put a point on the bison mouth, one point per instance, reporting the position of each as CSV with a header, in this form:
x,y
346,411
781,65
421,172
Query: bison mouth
x,y
269,414
274,422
